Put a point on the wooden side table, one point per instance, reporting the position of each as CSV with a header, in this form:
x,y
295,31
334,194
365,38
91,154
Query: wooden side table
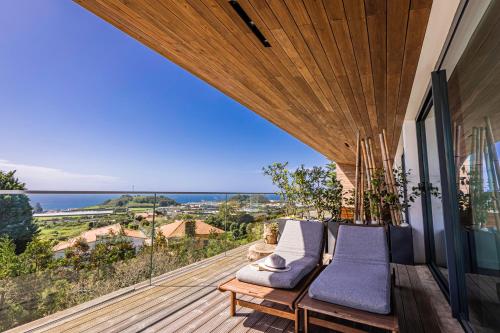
x,y
259,251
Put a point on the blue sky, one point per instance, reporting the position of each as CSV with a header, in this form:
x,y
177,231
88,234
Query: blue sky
x,y
86,107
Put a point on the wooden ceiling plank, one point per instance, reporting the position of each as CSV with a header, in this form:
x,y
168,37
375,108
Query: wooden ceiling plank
x,y
342,38
221,14
292,41
279,53
284,42
356,19
318,53
375,12
308,83
339,82
219,45
397,22
142,35
417,22
270,116
299,123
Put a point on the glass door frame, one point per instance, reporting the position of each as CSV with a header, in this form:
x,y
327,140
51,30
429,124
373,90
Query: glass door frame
x,y
454,288
424,187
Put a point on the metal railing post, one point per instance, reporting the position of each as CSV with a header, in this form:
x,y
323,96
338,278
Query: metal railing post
x,y
152,242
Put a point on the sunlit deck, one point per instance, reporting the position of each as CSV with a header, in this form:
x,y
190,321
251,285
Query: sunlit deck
x,y
187,300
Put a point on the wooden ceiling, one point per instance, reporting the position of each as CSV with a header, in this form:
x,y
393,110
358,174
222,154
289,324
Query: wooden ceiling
x,y
333,67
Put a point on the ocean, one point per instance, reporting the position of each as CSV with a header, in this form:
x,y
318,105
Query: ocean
x,y
70,201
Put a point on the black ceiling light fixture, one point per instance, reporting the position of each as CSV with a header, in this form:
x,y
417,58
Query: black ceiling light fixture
x,y
248,21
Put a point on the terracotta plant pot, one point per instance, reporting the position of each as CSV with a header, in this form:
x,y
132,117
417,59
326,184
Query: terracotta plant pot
x,y
272,239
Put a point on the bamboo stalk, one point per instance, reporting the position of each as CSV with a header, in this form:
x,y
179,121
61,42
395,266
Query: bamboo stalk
x,y
356,185
458,135
494,170
364,149
472,187
372,162
491,184
493,150
481,145
392,181
386,173
362,195
387,170
367,168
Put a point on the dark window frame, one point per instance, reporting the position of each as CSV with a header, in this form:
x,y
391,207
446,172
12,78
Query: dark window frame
x,y
455,288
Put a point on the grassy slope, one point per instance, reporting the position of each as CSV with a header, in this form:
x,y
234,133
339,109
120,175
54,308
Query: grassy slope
x,y
66,230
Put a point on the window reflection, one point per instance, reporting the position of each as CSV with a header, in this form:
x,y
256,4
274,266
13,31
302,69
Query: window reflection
x,y
474,96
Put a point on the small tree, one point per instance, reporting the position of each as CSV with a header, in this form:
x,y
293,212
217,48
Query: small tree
x,y
16,214
331,198
190,226
283,180
38,255
9,262
316,187
38,208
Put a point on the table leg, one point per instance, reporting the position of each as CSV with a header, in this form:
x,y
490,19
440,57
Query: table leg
x,y
232,308
296,320
306,321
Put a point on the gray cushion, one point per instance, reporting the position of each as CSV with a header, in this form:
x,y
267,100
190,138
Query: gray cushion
x,y
302,238
360,286
359,275
362,243
301,246
299,268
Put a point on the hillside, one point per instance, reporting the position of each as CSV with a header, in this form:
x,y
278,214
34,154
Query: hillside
x,y
139,201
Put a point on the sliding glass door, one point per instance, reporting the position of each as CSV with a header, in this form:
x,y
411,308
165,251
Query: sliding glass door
x,y
459,146
431,195
474,104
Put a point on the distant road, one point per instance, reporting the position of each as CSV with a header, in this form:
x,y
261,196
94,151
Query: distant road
x,y
73,213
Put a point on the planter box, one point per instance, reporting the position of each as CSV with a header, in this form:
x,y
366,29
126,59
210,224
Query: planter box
x,y
401,245
332,232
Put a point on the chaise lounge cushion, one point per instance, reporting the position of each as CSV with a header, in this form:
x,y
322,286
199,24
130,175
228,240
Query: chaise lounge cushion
x,y
359,275
359,286
301,244
299,268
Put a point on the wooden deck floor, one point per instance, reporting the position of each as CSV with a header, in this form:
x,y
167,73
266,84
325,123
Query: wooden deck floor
x,y
186,300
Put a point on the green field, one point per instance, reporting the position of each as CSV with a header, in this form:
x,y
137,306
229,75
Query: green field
x,y
62,231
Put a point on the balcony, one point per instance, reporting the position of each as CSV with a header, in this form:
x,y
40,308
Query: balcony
x,y
172,285
187,300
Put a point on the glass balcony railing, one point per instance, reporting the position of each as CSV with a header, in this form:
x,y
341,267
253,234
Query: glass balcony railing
x,y
61,249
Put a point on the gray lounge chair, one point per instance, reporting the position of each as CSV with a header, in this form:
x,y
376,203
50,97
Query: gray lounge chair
x,y
359,275
301,244
355,287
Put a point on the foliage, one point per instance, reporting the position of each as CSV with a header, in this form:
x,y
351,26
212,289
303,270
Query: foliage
x,y
139,200
381,197
37,256
9,262
8,181
330,197
274,227
38,208
35,284
474,203
190,228
16,214
316,187
282,179
243,199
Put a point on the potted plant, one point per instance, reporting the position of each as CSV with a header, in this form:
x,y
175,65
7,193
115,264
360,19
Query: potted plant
x,y
271,232
316,189
400,236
